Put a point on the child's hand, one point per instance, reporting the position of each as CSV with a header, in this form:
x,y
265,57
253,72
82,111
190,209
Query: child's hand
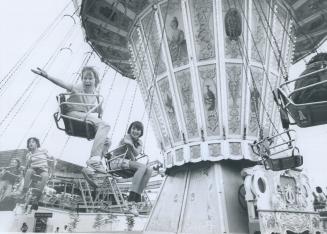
x,y
40,72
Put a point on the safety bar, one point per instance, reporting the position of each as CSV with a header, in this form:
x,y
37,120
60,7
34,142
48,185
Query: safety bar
x,y
257,147
303,76
123,154
99,99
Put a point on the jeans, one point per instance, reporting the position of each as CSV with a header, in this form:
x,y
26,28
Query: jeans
x,y
5,188
102,129
28,177
141,177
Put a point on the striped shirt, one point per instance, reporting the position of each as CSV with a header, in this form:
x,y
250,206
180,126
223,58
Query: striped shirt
x,y
39,159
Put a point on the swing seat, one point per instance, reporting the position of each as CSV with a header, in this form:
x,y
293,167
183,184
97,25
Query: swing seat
x,y
75,126
307,103
279,164
115,160
265,149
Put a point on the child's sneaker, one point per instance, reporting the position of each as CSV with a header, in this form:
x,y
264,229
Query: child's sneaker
x,y
96,164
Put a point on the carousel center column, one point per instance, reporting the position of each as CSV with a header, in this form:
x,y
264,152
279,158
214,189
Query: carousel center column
x,y
206,70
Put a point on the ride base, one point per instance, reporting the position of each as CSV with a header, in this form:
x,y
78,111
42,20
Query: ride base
x,y
200,198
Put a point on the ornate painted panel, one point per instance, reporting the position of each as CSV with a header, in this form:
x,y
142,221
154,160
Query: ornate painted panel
x,y
162,126
169,158
210,98
174,26
235,148
234,97
215,150
233,14
141,60
179,155
195,151
256,81
169,107
153,36
269,104
259,30
284,200
278,37
184,85
203,29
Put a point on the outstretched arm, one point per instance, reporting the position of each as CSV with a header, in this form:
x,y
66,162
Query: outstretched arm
x,y
59,82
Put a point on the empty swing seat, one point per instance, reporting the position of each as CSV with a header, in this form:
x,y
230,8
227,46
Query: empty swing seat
x,y
278,164
75,126
307,102
273,155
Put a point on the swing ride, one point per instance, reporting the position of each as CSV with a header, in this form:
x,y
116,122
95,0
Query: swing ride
x,y
214,76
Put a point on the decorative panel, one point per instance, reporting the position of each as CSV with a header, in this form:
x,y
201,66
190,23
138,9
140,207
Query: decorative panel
x,y
234,97
277,61
169,158
195,151
256,80
210,96
141,59
235,148
259,30
183,80
169,107
215,150
179,155
152,34
269,104
162,126
202,24
233,14
289,188
173,21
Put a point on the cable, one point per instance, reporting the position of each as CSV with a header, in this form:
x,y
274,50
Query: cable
x,y
120,109
43,35
28,90
50,95
154,78
253,80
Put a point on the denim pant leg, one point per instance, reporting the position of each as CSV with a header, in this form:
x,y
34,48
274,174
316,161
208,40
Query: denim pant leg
x,y
102,131
28,176
145,180
140,173
44,179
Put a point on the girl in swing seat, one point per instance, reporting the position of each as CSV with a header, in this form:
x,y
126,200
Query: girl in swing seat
x,y
142,172
90,81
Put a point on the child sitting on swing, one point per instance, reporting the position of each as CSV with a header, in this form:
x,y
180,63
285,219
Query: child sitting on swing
x,y
90,81
142,173
38,162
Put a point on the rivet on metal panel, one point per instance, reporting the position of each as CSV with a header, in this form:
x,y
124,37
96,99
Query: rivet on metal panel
x,y
192,196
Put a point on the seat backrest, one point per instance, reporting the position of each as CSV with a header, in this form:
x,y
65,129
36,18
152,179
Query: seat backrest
x,y
112,157
279,164
73,127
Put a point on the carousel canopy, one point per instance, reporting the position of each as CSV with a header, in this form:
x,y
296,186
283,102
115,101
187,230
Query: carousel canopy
x,y
108,25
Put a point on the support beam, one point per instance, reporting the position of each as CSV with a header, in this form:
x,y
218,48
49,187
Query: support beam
x,y
106,26
123,9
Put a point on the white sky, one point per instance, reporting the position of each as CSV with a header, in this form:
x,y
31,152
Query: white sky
x,y
21,23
